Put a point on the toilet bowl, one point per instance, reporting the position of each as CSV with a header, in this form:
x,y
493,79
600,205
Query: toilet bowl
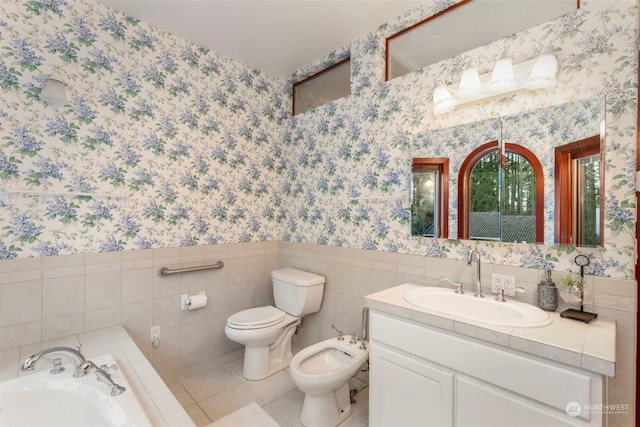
x,y
266,331
322,371
266,334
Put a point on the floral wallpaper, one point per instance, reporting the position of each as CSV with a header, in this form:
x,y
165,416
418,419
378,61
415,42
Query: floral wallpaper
x,y
163,143
363,143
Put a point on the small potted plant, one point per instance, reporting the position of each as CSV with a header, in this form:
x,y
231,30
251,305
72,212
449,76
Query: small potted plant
x,y
571,288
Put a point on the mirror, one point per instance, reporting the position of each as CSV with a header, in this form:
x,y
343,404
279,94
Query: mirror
x,y
431,40
567,128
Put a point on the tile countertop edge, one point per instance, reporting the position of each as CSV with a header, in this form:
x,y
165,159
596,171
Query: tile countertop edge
x,y
603,362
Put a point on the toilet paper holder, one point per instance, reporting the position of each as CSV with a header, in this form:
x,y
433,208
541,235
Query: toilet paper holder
x,y
185,300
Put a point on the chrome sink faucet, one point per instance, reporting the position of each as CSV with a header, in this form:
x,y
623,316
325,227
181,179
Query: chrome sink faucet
x,y
74,355
469,261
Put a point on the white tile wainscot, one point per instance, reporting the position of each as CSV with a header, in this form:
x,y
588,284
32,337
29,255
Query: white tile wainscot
x,y
158,402
445,368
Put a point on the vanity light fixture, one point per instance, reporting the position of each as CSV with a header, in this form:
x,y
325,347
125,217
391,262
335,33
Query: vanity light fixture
x,y
535,74
53,92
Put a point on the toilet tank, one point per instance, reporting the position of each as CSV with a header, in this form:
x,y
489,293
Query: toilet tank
x,y
297,292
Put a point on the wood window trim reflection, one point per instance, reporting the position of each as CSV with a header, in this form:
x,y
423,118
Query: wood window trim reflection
x,y
563,171
464,184
441,165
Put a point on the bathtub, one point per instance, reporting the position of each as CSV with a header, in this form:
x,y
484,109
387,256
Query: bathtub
x,y
42,399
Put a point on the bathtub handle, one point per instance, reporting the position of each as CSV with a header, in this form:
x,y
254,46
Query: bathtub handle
x,y
106,368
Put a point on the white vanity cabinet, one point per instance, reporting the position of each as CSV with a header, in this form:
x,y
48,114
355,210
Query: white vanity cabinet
x,y
425,376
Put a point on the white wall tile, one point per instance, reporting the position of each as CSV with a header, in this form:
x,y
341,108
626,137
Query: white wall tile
x,y
62,296
137,285
103,290
20,302
62,326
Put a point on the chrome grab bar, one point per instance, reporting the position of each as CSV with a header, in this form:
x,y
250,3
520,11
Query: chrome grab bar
x,y
164,271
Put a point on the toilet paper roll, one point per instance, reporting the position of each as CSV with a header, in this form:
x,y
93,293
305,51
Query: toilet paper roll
x,y
197,301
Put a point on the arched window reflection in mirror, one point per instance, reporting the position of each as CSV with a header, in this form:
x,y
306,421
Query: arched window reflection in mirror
x,y
501,196
579,216
430,197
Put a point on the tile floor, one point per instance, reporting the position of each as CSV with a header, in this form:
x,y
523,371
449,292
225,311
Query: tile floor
x,y
216,388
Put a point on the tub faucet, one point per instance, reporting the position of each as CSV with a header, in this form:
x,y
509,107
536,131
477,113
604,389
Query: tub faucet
x,y
103,376
74,355
469,261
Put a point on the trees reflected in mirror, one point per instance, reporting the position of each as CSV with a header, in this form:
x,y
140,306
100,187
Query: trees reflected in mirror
x,y
530,177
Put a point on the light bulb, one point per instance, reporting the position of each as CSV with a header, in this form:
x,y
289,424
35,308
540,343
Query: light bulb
x,y
502,77
543,73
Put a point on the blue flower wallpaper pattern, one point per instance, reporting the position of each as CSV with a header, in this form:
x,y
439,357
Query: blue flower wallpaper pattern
x,y
163,143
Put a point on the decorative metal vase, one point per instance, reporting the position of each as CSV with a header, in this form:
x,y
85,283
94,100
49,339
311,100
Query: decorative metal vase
x,y
547,294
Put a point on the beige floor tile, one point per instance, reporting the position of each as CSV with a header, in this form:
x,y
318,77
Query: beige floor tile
x,y
272,387
197,369
198,417
289,406
208,383
226,358
235,368
181,394
224,403
360,409
276,416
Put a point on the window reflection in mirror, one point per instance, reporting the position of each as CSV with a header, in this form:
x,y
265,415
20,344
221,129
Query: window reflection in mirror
x,y
449,33
579,189
429,197
484,198
500,196
325,86
560,203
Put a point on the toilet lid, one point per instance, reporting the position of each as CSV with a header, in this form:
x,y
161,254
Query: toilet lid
x,y
254,318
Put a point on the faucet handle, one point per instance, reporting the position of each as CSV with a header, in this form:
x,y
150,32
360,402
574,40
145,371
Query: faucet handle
x,y
57,366
500,296
340,333
106,368
458,285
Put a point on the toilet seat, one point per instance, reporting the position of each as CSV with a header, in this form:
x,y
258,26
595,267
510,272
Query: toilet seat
x,y
256,318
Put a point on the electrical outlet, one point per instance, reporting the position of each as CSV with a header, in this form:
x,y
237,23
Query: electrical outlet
x,y
496,282
509,283
503,281
155,334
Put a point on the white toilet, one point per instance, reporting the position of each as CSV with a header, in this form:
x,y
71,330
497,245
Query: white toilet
x,y
322,371
266,331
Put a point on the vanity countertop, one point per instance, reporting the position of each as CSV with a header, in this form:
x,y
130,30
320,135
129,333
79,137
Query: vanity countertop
x,y
590,346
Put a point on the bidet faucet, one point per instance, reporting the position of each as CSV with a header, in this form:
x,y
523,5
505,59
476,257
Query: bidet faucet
x,y
340,333
75,356
469,261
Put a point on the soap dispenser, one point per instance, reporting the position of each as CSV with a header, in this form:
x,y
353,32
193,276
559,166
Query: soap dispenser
x,y
547,293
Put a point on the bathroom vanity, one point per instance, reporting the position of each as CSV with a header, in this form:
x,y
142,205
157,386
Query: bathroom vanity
x,y
440,370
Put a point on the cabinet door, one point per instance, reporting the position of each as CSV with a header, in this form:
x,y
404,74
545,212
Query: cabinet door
x,y
479,404
407,392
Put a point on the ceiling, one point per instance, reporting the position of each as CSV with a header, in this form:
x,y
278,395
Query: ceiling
x,y
277,37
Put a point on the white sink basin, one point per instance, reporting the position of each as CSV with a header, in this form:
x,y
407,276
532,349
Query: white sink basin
x,y
442,301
